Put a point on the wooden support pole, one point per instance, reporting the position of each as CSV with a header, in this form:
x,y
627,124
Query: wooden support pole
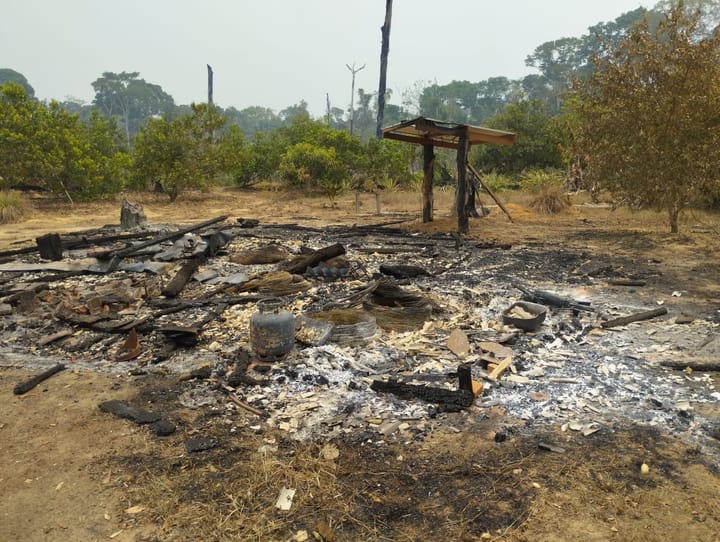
x,y
427,189
378,203
487,189
462,185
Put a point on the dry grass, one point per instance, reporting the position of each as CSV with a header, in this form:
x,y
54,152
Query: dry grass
x,y
436,490
549,199
13,207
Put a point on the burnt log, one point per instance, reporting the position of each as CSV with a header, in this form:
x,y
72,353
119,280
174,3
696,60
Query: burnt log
x,y
182,277
403,271
297,266
709,366
638,317
26,386
50,246
127,251
465,377
447,400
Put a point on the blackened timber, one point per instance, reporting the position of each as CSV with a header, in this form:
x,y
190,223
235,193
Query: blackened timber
x,y
462,184
709,366
50,246
488,190
121,253
645,315
26,386
465,377
181,278
427,188
301,263
447,400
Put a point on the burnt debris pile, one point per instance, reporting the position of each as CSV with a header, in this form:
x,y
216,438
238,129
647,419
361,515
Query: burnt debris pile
x,y
361,330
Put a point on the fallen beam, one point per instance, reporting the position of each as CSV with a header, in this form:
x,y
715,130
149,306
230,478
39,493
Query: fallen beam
x,y
447,400
709,366
121,253
638,317
26,386
297,266
182,277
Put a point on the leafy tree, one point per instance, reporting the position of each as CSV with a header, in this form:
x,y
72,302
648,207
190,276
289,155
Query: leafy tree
x,y
562,60
649,117
47,146
538,143
181,153
130,99
11,76
252,120
309,166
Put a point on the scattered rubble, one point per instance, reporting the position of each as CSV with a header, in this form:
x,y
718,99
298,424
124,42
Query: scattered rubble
x,y
432,328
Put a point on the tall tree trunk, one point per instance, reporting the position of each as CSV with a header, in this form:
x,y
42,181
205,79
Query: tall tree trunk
x,y
384,51
210,84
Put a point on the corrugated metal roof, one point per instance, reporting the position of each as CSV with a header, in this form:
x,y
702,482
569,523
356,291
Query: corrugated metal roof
x,y
424,131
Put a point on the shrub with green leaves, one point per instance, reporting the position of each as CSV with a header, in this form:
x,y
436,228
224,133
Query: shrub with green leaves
x,y
535,178
312,167
499,182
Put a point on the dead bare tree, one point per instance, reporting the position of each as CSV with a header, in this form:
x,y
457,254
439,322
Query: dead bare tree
x,y
384,51
353,70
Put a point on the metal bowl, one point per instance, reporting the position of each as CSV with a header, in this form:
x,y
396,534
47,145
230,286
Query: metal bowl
x,y
526,324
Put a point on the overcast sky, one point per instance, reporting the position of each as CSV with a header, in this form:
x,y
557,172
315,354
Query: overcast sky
x,y
275,53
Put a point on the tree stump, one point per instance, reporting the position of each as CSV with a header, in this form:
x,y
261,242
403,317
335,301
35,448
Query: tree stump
x,y
131,215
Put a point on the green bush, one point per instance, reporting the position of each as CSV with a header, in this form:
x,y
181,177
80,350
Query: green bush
x,y
499,182
311,167
12,207
536,178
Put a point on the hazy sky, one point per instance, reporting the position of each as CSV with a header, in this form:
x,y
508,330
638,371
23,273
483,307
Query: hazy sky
x,y
276,52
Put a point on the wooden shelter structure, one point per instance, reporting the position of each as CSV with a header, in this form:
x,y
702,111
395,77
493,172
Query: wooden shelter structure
x,y
434,133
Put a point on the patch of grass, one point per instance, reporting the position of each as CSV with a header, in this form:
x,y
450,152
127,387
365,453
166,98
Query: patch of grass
x,y
12,207
549,199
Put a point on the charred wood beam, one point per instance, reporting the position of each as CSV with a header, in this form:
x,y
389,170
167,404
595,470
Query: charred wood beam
x,y
182,277
638,317
709,366
626,282
26,386
297,266
127,251
447,400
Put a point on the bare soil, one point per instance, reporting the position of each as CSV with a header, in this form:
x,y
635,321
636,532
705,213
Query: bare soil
x,y
71,472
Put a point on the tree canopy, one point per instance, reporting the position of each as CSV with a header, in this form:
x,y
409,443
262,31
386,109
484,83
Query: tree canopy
x,y
130,99
648,119
11,76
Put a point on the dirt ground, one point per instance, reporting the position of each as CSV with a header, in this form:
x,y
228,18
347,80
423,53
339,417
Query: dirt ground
x,y
71,472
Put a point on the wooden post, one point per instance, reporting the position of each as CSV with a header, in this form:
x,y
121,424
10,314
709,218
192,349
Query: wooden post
x,y
427,189
357,202
462,185
378,203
